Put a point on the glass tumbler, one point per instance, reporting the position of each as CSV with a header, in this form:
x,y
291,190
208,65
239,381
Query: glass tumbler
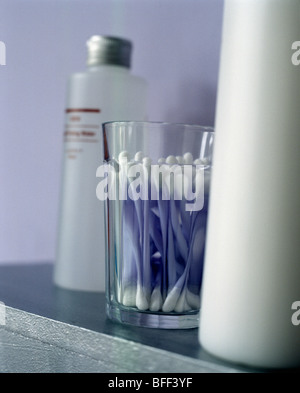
x,y
155,181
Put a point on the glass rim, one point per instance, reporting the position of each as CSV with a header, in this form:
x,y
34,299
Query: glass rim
x,y
187,126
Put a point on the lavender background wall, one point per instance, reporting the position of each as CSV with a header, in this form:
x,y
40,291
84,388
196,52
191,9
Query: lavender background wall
x,y
176,48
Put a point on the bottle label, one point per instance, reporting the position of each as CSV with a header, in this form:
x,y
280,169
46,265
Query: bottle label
x,y
82,130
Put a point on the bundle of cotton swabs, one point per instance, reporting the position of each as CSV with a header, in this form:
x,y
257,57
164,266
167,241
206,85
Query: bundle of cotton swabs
x,y
162,242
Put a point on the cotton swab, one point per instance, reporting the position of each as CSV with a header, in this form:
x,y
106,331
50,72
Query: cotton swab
x,y
163,210
193,300
171,259
123,157
176,297
179,288
130,267
146,237
138,156
198,162
182,304
122,160
164,238
156,300
180,160
171,160
129,296
188,158
136,232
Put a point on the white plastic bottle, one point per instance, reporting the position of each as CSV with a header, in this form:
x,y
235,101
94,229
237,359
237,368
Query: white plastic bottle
x,y
251,287
106,91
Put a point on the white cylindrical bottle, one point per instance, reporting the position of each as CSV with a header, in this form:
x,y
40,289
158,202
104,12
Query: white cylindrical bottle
x,y
251,286
105,92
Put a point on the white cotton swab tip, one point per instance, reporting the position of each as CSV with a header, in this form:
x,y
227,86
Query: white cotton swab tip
x,y
129,296
147,161
156,300
182,304
193,299
171,300
138,156
198,162
123,157
205,161
171,160
180,160
141,301
188,158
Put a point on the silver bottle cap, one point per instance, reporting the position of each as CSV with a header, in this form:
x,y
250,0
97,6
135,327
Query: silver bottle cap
x,y
108,50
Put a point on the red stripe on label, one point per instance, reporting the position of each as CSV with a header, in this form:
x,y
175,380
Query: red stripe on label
x,y
86,110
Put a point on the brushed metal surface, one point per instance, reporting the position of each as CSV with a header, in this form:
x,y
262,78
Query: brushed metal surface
x,y
50,329
35,344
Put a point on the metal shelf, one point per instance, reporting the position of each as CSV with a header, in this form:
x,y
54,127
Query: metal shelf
x,y
50,329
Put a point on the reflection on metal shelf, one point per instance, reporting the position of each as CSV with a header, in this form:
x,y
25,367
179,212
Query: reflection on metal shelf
x,y
51,329
31,344
2,314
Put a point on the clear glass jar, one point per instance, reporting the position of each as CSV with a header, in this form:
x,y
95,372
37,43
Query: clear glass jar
x,y
155,182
